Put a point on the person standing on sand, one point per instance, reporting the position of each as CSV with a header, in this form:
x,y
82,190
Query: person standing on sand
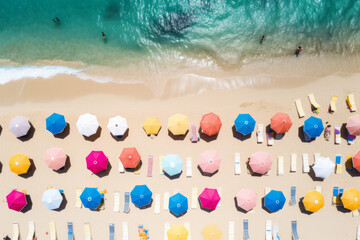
x,y
262,39
103,35
298,51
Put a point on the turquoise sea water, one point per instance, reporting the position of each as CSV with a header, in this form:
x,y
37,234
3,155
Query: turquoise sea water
x,y
154,34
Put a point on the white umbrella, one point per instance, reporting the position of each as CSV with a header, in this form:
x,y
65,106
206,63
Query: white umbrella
x,y
52,199
87,124
117,126
19,126
323,167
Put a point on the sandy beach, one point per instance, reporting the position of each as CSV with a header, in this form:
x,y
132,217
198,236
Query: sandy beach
x,y
37,99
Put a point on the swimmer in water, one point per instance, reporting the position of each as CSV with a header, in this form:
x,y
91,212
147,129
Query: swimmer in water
x,y
262,39
103,34
298,51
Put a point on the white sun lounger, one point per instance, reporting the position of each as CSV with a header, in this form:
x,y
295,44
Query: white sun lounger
x,y
121,168
333,103
267,190
52,231
293,162
280,166
188,167
299,108
16,231
270,139
125,231
157,203
337,135
237,164
194,198
187,226
166,200
318,188
358,233
31,231
78,203
268,235
306,166
316,156
116,202
231,230
276,232
166,229
351,102
313,102
260,133
87,231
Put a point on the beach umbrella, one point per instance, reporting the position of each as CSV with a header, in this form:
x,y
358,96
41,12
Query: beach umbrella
x,y
313,127
209,161
323,167
152,125
209,198
353,125
117,126
178,124
19,163
172,164
281,122
246,199
356,161
52,199
55,123
245,123
177,232
274,200
96,161
141,196
55,158
16,200
313,201
178,204
210,124
351,199
130,157
91,198
260,162
211,232
87,124
19,126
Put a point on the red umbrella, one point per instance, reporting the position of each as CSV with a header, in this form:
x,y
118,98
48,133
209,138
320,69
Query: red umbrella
x,y
210,124
356,161
281,122
130,157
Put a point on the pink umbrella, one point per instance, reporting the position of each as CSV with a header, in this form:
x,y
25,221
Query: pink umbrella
x,y
96,161
209,198
209,161
246,199
55,158
260,162
353,125
16,200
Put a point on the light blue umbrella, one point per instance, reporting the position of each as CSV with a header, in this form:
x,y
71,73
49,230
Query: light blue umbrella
x,y
274,200
55,123
141,195
91,198
52,199
313,127
178,204
172,164
245,123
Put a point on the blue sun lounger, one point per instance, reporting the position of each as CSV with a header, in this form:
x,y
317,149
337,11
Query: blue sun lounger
x,y
294,230
335,195
111,231
127,202
70,231
293,195
246,229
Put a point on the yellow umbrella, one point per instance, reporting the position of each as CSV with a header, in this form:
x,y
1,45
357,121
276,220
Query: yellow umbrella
x,y
351,199
178,124
211,232
19,163
313,201
152,125
177,232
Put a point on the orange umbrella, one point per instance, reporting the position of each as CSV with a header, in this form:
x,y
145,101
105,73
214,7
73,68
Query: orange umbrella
x,y
130,157
210,124
281,122
351,199
313,201
19,164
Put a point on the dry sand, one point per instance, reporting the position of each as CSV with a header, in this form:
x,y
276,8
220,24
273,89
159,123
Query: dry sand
x,y
72,97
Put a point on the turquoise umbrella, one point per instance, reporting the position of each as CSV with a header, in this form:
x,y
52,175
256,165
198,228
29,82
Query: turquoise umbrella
x,y
91,198
55,123
172,164
141,195
178,204
274,200
313,127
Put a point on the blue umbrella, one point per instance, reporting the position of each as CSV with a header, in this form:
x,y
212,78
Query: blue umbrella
x,y
178,204
172,164
141,195
245,124
52,199
91,198
274,200
55,123
313,127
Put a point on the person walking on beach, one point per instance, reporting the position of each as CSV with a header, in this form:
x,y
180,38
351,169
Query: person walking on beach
x,y
103,35
298,51
262,39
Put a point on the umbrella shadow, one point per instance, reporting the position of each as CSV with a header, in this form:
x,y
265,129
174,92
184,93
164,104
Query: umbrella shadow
x,y
252,173
313,177
121,138
1,166
301,135
0,129
66,167
149,135
206,137
29,135
105,172
238,135
344,131
302,207
239,208
204,209
95,136
263,205
146,206
341,208
138,167
177,137
206,174
64,133
63,204
30,171
28,206
178,216
174,176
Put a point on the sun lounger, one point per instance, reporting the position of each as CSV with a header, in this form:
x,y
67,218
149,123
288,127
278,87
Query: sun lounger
x,y
337,135
299,108
358,233
335,195
87,231
351,102
237,164
332,106
125,231
157,203
267,190
166,229
276,232
294,230
355,213
280,165
121,168
231,230
350,138
315,105
116,202
187,226
293,162
16,232
160,165
188,167
166,200
219,192
270,138
70,231
111,231
316,156
260,133
318,188
52,231
78,203
341,191
137,169
293,195
348,163
194,198
306,166
127,202
338,163
246,229
31,231
150,165
268,234
194,134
